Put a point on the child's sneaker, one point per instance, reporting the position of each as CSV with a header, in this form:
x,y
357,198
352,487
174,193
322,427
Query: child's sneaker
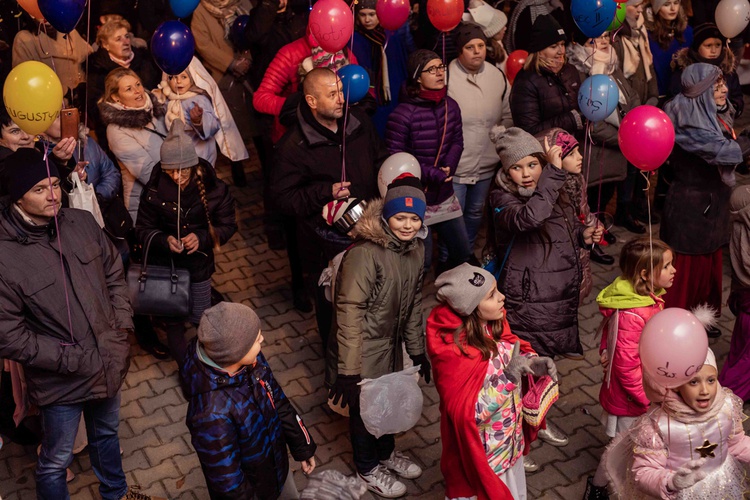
x,y
402,465
381,482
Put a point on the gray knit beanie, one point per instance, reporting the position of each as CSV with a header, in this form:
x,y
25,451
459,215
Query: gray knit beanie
x,y
513,144
464,287
227,331
177,150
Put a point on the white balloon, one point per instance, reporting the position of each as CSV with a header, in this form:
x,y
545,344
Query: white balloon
x,y
395,165
732,17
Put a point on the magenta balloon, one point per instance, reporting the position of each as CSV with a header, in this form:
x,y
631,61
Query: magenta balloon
x,y
392,14
332,24
646,137
673,347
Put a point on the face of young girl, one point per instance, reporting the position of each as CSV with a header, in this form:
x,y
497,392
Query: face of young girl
x,y
573,163
526,172
700,392
670,10
710,48
602,42
368,18
633,13
492,306
405,225
666,273
180,83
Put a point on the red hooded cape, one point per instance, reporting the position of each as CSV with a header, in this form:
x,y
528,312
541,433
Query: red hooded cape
x,y
458,379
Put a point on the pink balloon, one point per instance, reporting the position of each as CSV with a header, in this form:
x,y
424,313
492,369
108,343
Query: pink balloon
x,y
392,14
673,347
332,24
646,137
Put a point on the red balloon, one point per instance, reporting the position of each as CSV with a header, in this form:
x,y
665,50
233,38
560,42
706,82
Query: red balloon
x,y
332,24
646,137
516,60
621,1
392,14
445,14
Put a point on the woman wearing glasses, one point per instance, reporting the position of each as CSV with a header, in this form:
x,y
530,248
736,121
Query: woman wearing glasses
x,y
427,124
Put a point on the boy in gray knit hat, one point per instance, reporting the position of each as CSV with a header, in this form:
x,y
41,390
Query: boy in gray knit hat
x,y
240,420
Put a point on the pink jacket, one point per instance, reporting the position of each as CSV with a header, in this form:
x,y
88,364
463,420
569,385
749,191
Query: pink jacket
x,y
623,394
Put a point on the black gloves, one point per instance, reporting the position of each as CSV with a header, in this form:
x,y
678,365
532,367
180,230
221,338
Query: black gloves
x,y
347,390
424,365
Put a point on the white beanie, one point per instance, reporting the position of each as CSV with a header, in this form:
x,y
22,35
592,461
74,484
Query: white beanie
x,y
491,20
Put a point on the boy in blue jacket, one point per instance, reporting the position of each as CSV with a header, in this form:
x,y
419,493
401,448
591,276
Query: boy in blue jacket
x,y
240,421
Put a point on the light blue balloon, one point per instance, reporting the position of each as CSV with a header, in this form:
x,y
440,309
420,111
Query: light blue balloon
x,y
593,17
598,97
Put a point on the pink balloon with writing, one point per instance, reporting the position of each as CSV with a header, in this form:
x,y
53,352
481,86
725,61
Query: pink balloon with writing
x,y
332,24
646,137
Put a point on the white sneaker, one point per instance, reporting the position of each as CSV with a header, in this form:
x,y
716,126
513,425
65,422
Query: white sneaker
x,y
381,482
402,465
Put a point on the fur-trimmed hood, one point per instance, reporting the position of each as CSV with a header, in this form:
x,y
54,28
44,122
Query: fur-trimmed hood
x,y
687,56
372,227
135,118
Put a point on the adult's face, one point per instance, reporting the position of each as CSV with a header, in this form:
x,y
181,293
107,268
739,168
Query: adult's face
x,y
368,18
41,202
327,98
670,10
473,54
433,75
118,44
553,56
130,92
633,13
12,137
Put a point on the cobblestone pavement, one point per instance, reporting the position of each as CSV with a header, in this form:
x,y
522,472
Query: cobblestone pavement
x,y
157,453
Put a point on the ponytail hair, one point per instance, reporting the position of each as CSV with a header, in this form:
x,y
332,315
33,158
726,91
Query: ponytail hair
x,y
636,257
199,173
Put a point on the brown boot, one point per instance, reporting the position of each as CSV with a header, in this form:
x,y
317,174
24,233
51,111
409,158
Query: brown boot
x,y
134,493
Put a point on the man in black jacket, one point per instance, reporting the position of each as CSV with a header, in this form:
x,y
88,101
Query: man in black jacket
x,y
322,158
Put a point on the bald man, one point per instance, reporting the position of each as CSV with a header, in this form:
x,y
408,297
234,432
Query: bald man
x,y
308,171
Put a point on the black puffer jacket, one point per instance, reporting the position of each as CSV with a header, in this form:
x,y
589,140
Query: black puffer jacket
x,y
542,273
539,101
158,212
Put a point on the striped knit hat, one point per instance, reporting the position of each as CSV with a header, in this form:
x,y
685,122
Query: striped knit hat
x,y
404,195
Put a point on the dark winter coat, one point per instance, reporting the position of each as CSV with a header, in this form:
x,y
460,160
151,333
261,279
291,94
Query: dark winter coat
x,y
417,127
308,164
647,90
540,101
695,220
542,273
34,327
378,302
687,56
158,212
240,427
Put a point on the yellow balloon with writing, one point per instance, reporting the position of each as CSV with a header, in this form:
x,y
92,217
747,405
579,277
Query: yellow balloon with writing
x,y
33,96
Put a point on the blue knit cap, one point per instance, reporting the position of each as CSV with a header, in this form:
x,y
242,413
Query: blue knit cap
x,y
404,195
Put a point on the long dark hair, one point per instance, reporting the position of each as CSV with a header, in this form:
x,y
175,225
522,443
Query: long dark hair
x,y
473,330
665,31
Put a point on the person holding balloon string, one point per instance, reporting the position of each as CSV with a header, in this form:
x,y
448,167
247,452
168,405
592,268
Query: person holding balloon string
x,y
695,220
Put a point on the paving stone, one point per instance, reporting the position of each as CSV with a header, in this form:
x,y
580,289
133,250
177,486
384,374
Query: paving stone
x,y
163,471
172,448
168,397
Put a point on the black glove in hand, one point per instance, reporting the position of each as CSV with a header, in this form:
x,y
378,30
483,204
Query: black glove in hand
x,y
542,365
424,365
347,390
518,365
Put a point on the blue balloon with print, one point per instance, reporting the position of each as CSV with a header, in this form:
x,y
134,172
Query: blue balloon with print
x,y
593,17
173,47
183,8
598,97
63,15
355,82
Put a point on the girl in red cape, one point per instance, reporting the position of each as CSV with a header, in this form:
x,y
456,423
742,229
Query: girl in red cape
x,y
478,368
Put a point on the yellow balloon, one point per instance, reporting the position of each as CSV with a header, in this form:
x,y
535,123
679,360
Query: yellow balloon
x,y
33,96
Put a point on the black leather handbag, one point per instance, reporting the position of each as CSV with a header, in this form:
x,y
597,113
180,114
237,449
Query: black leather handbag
x,y
158,290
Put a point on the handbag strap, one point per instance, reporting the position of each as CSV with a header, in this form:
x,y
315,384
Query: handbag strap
x,y
150,238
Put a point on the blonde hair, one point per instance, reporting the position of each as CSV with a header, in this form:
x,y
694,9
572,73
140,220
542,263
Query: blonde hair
x,y
534,62
108,29
112,82
636,257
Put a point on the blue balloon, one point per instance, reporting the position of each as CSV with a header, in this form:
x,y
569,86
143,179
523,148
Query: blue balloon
x,y
237,32
63,15
355,82
183,8
173,47
598,97
593,17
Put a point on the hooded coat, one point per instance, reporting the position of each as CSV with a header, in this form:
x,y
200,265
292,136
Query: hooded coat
x,y
625,313
34,314
159,209
541,236
378,301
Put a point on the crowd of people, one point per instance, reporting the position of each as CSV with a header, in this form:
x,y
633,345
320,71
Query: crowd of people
x,y
452,168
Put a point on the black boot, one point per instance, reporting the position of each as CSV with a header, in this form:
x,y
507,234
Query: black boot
x,y
628,222
238,174
595,492
147,337
598,255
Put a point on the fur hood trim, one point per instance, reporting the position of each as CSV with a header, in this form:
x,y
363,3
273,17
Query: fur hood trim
x,y
371,227
685,57
131,118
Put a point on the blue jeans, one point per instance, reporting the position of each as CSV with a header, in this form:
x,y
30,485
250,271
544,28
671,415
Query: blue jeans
x,y
472,198
451,234
59,425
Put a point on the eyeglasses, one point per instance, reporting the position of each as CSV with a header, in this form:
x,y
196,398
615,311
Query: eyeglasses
x,y
434,69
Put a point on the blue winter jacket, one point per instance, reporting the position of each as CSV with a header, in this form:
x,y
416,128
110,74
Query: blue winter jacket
x,y
240,426
100,172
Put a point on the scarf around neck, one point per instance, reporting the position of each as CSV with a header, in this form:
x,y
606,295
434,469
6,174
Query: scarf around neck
x,y
174,103
636,51
125,63
434,95
148,106
377,38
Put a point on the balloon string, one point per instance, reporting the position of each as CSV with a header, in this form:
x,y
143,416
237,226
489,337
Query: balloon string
x,y
60,247
86,71
650,234
343,132
445,120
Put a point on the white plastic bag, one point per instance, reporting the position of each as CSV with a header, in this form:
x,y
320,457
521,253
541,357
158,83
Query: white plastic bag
x,y
392,403
83,197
